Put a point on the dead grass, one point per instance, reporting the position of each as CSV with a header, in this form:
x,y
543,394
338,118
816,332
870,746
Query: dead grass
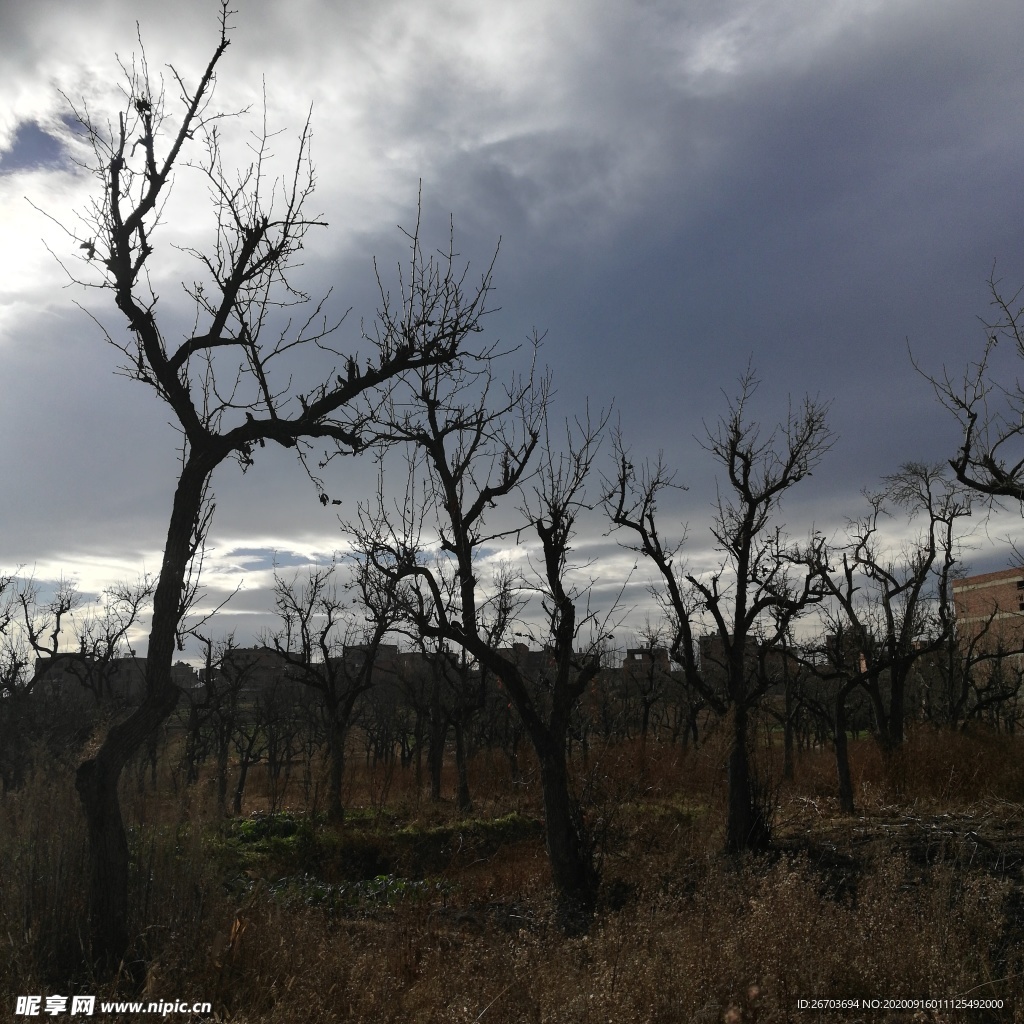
x,y
751,938
920,896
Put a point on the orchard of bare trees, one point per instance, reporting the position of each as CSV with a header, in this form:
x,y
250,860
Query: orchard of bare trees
x,y
465,775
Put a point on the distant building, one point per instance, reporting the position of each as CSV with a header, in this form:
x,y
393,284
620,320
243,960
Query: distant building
x,y
74,677
535,666
253,671
642,659
259,672
991,604
847,650
386,659
763,664
67,679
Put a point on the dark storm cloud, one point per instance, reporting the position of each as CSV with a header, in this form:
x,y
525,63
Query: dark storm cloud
x,y
840,208
681,190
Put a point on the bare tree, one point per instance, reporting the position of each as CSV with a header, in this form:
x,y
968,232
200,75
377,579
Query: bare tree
x,y
988,402
833,664
469,453
457,686
977,675
890,609
214,708
761,585
646,672
13,655
897,605
83,641
323,647
16,658
56,649
229,383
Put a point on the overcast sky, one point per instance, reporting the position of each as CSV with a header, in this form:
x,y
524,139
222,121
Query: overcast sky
x,y
680,189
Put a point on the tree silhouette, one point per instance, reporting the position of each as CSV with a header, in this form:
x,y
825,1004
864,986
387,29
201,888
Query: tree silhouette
x,y
474,446
229,381
763,582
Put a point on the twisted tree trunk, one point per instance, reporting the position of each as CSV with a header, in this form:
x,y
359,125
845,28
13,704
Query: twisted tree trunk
x,y
97,778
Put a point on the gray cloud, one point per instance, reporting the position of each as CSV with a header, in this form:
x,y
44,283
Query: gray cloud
x,y
680,190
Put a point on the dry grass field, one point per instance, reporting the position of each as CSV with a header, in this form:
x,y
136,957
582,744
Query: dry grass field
x,y
410,912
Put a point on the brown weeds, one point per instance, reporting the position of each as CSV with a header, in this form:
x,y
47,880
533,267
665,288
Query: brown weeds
x,y
846,908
